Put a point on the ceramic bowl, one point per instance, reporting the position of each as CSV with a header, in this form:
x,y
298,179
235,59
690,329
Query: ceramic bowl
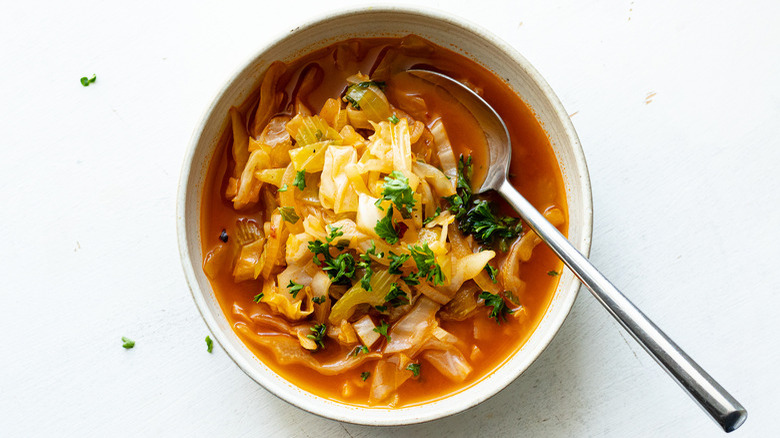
x,y
449,32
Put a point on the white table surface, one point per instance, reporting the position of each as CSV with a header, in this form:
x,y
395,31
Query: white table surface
x,y
678,109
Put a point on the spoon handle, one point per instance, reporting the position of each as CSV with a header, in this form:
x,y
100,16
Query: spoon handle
x,y
716,401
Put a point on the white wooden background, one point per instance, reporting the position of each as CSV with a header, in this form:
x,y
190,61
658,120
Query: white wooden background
x,y
677,105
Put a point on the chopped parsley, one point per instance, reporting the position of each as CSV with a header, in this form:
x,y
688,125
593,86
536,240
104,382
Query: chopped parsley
x,y
491,272
294,288
209,344
382,330
396,261
365,375
426,264
300,180
552,273
396,297
127,343
359,349
414,368
258,297
318,334
497,303
393,119
283,188
85,81
319,300
396,190
334,233
430,219
381,309
511,297
288,214
411,279
476,216
385,228
365,263
339,269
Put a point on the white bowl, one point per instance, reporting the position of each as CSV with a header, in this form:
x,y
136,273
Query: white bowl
x,y
447,31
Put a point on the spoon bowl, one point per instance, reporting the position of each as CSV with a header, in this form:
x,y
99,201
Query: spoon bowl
x,y
713,398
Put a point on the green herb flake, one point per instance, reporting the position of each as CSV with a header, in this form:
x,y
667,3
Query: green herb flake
x,y
426,263
127,343
396,189
288,214
318,334
258,297
552,273
294,288
359,349
300,180
385,228
396,297
319,300
476,217
511,297
283,188
365,263
365,375
396,262
85,81
393,119
339,269
414,368
430,219
497,303
209,344
491,272
382,330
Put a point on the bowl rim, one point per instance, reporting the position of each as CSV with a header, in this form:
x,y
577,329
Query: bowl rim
x,y
569,295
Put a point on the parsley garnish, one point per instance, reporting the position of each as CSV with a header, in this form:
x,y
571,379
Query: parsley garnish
x,y
283,188
359,349
552,273
319,300
127,343
382,330
209,344
396,297
334,233
365,263
365,375
414,368
85,81
476,217
396,261
497,303
300,180
411,279
288,214
340,269
426,263
382,309
258,297
511,297
385,228
430,219
294,288
491,272
393,119
318,334
396,190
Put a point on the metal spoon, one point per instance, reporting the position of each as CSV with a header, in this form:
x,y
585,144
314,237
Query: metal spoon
x,y
716,401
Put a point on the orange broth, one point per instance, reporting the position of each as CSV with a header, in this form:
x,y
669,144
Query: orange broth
x,y
534,172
